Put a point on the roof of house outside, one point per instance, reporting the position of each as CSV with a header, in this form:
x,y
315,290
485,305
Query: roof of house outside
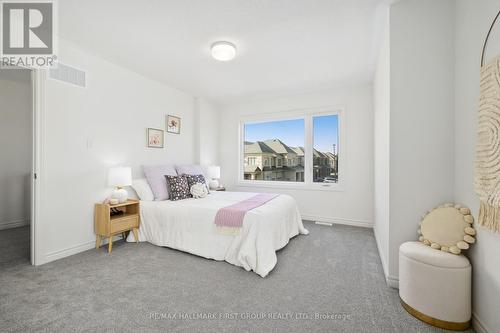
x,y
276,146
298,150
279,147
317,153
330,155
258,147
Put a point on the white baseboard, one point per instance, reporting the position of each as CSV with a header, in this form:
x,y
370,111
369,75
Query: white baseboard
x,y
59,254
383,259
338,220
478,325
14,224
392,281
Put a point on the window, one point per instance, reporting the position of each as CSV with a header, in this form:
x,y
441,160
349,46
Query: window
x,y
325,143
303,148
275,142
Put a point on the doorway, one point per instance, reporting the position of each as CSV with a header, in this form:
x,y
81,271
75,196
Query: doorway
x,y
16,165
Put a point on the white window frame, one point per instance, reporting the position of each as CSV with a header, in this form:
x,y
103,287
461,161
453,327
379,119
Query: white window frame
x,y
307,115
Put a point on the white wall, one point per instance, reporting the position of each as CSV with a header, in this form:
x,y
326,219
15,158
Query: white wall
x,y
421,43
207,136
15,147
381,109
435,51
88,130
419,127
472,22
354,204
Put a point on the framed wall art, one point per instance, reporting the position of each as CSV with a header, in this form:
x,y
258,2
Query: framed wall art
x,y
173,124
155,138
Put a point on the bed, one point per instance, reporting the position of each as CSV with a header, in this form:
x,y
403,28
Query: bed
x,y
188,225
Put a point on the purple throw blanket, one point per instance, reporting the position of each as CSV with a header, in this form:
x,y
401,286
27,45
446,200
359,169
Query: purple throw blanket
x,y
232,216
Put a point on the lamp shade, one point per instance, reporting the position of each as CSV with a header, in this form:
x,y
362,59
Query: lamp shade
x,y
213,172
120,176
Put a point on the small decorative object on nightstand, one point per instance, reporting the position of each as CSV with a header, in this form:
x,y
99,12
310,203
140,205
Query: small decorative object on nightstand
x,y
110,220
219,189
120,177
213,172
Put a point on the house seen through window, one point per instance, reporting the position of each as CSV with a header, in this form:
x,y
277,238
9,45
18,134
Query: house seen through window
x,y
275,150
325,149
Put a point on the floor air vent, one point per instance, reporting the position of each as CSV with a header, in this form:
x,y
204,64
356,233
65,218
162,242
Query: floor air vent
x,y
68,74
328,224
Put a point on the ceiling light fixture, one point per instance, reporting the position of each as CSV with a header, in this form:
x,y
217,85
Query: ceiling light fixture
x,y
223,51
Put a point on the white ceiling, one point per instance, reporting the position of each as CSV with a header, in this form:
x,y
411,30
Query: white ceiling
x,y
283,45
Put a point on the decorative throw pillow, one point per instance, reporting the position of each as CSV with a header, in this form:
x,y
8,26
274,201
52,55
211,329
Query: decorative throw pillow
x,y
155,174
191,169
193,179
199,190
178,187
448,228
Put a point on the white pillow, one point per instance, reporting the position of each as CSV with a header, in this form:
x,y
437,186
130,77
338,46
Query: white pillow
x,y
199,190
143,190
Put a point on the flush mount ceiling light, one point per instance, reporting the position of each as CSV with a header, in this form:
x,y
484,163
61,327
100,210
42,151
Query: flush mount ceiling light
x,y
223,51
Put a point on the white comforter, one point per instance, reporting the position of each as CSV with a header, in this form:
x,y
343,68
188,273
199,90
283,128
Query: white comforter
x,y
188,225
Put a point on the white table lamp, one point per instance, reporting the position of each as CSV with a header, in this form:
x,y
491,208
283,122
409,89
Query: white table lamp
x,y
120,177
213,173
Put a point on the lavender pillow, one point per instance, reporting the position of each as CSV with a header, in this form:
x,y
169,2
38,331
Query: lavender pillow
x,y
191,169
155,174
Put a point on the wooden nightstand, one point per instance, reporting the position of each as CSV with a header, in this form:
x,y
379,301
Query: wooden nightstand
x,y
219,189
107,226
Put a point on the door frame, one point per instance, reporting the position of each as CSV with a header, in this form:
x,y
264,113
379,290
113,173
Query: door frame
x,y
38,77
37,82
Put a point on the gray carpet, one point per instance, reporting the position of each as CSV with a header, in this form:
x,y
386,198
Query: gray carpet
x,y
15,246
334,272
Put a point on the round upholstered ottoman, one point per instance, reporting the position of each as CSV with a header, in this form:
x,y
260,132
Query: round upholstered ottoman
x,y
435,286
